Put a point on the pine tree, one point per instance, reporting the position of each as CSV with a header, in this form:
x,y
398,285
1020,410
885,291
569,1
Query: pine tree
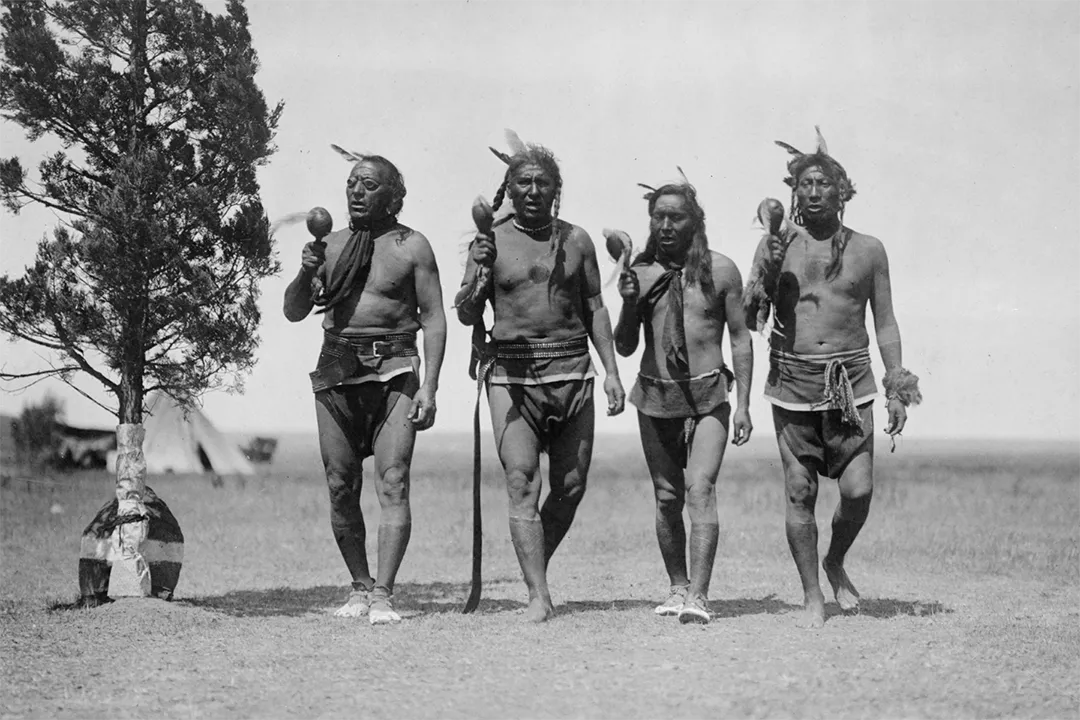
x,y
151,280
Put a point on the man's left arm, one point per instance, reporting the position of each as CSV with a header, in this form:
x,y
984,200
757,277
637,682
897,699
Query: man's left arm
x,y
433,322
888,337
598,324
729,282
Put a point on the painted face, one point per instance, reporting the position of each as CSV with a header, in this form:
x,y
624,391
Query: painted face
x,y
672,224
368,192
818,194
532,193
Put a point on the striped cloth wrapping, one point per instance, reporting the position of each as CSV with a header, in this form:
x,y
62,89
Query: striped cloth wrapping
x,y
163,551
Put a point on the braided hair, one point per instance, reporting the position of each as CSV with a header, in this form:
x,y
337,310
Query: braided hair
x,y
545,159
835,172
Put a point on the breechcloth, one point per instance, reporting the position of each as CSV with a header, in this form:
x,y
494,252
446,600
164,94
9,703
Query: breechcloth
x,y
347,360
358,380
550,383
674,406
821,440
360,411
822,406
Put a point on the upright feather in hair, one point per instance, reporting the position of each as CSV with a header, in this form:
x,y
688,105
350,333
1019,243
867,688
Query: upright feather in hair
x,y
517,147
821,146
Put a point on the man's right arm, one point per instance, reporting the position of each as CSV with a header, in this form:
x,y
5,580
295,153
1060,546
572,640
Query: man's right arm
x,y
470,299
628,327
298,299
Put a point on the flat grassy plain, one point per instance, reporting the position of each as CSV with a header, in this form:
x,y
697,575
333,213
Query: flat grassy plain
x,y
969,569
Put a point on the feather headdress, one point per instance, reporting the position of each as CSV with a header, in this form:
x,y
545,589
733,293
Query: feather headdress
x,y
800,161
685,184
519,155
396,179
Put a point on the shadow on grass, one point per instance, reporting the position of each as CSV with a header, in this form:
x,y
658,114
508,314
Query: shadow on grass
x,y
878,608
767,605
427,598
885,608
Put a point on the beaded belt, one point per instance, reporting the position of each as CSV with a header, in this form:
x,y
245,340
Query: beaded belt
x,y
541,350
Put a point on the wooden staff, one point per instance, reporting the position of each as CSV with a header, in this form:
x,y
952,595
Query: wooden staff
x,y
483,218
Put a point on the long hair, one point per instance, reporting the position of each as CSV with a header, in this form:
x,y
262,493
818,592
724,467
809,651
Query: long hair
x,y
535,155
698,257
835,172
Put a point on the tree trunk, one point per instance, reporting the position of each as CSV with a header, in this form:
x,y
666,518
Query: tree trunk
x,y
130,572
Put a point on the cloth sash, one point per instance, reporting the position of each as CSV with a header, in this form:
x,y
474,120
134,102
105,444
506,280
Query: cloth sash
x,y
673,341
825,382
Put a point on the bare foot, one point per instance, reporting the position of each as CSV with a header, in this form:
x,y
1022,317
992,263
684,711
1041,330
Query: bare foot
x,y
812,616
539,610
846,594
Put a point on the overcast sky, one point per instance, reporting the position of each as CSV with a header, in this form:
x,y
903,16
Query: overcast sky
x,y
958,122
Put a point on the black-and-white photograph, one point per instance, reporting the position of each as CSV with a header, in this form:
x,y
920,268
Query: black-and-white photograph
x,y
573,359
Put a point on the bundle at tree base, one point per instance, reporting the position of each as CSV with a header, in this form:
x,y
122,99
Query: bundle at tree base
x,y
163,551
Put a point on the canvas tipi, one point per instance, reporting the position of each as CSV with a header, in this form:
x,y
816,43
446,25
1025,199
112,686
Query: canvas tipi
x,y
181,444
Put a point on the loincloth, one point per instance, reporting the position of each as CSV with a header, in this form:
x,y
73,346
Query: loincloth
x,y
699,395
550,383
550,408
539,363
360,410
821,440
356,360
676,435
803,382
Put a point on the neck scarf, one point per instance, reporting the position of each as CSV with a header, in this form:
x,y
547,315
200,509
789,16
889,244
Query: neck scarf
x,y
353,265
674,339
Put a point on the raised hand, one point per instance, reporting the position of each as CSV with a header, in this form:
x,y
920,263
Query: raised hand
x,y
483,250
629,287
314,255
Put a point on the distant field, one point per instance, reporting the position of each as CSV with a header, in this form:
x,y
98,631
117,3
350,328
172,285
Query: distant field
x,y
969,569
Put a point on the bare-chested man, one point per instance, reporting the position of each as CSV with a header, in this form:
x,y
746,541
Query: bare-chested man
x,y
543,282
376,284
682,388
820,276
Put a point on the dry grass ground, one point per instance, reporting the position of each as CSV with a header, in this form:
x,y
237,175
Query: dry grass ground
x,y
968,569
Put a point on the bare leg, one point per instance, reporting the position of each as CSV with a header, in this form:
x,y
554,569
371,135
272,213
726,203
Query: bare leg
x,y
703,467
801,485
393,457
856,489
670,490
570,455
344,477
519,452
